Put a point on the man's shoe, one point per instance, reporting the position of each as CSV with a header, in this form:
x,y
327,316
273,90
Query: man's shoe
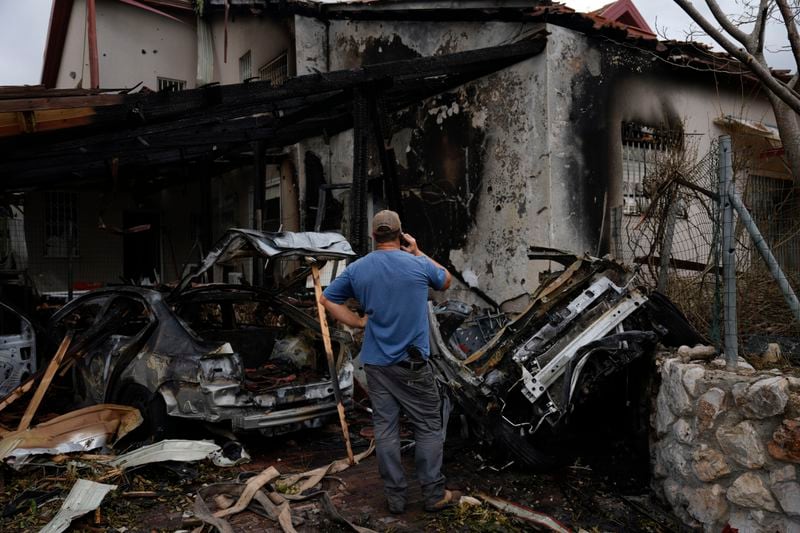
x,y
396,507
450,499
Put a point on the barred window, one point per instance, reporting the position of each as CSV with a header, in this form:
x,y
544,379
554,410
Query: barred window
x,y
61,224
245,67
170,85
275,71
642,146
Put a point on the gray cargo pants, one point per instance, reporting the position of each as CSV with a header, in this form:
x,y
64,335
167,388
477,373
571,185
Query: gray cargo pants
x,y
392,388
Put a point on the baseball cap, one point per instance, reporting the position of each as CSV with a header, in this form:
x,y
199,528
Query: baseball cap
x,y
385,221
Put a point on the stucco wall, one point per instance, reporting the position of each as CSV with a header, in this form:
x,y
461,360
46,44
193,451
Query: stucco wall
x,y
133,45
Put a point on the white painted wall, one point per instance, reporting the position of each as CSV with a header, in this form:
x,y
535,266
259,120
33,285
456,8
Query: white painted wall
x,y
134,46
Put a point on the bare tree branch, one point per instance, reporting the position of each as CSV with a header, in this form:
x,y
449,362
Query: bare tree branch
x,y
791,29
759,29
724,21
760,71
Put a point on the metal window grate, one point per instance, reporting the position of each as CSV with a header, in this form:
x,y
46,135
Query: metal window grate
x,y
170,85
276,71
642,146
61,228
245,67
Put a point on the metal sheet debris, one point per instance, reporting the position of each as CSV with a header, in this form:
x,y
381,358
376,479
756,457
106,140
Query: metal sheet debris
x,y
166,450
78,431
84,497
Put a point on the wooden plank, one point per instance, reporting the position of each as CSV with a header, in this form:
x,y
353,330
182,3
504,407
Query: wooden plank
x,y
67,102
45,383
326,340
20,391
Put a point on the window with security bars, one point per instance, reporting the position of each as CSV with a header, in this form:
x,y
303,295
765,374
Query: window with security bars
x,y
170,85
642,148
276,71
61,224
245,67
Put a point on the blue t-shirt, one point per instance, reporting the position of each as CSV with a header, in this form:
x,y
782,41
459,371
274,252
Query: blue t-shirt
x,y
392,287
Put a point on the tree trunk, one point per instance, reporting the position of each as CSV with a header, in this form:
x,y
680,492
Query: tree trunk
x,y
789,130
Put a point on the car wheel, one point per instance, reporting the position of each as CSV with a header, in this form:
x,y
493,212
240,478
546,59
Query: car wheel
x,y
156,425
520,448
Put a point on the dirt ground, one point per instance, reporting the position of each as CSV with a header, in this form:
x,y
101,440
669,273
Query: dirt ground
x,y
602,492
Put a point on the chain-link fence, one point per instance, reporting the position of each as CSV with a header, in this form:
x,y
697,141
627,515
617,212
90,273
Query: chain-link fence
x,y
675,242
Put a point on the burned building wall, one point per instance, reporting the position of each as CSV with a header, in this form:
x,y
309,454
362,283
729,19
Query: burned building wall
x,y
473,163
529,155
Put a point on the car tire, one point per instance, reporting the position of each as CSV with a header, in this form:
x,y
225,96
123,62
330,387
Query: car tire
x,y
520,448
156,424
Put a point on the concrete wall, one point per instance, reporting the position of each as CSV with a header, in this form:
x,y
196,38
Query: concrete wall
x,y
134,46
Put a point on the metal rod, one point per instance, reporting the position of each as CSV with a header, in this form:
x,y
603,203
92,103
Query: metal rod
x,y
766,254
94,62
730,338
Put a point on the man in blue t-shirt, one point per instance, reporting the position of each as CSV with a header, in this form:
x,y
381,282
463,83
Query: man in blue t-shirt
x,y
391,283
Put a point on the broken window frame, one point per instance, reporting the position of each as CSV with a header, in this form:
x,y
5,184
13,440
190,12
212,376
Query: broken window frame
x,y
61,225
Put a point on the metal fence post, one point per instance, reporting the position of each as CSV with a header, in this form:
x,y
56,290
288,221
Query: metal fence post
x,y
730,340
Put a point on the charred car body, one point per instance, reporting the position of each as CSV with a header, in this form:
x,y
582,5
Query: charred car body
x,y
246,356
519,377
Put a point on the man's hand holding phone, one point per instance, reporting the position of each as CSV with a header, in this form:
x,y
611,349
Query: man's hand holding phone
x,y
409,244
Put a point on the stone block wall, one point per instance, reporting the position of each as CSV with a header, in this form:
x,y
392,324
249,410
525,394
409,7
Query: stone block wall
x,y
726,445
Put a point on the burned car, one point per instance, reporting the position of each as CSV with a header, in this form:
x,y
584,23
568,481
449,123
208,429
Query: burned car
x,y
519,377
249,357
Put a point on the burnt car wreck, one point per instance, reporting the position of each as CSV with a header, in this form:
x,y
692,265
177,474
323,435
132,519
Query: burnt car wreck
x,y
519,377
249,357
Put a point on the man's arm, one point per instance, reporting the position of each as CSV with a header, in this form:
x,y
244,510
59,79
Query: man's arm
x,y
343,314
412,248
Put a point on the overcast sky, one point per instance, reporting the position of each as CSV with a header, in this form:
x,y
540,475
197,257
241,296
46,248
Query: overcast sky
x,y
23,28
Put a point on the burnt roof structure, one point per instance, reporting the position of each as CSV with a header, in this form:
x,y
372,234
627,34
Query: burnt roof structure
x,y
79,138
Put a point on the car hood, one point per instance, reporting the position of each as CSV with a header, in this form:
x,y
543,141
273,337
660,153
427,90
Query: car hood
x,y
243,243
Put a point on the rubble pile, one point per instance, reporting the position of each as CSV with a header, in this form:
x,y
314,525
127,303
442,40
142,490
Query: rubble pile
x,y
726,445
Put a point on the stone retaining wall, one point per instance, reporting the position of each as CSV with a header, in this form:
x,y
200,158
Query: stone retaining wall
x,y
726,444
